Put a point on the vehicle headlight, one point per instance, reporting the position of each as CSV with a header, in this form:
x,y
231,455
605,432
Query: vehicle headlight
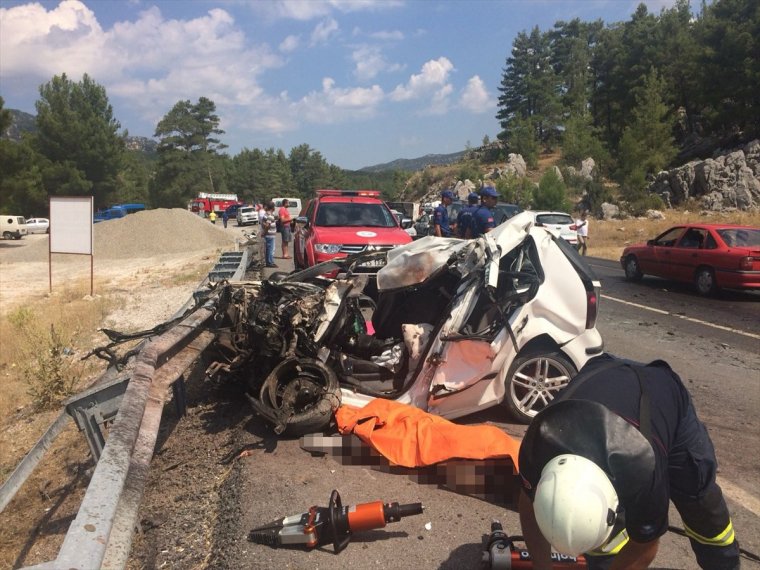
x,y
327,247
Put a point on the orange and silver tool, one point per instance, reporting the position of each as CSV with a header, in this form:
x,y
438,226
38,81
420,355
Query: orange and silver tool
x,y
331,524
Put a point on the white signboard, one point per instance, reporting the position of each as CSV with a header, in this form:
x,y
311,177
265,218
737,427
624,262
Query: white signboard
x,y
71,224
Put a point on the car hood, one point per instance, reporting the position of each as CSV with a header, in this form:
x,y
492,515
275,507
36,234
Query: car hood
x,y
414,263
361,235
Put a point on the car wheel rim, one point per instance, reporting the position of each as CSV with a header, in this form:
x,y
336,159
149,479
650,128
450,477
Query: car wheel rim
x,y
536,383
632,267
704,281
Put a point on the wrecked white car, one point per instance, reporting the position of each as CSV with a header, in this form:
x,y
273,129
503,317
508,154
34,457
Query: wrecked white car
x,y
459,326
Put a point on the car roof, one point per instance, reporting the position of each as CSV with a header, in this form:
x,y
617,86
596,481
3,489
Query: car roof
x,y
544,212
715,226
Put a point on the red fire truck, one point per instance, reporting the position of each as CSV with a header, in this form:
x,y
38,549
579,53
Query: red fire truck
x,y
206,202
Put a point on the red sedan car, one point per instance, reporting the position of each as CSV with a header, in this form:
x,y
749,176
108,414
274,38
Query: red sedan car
x,y
709,255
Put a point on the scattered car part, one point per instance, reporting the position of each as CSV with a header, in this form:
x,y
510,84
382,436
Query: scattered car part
x,y
332,524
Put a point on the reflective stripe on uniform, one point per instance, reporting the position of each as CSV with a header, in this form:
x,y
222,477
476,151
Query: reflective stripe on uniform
x,y
723,539
612,546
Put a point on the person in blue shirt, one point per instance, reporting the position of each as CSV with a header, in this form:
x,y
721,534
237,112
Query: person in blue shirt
x,y
482,216
464,219
441,225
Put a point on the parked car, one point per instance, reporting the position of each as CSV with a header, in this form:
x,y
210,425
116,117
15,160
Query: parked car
x,y
12,227
423,226
339,223
247,215
559,222
38,226
232,211
459,326
710,256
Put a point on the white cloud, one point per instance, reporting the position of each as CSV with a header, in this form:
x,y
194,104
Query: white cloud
x,y
432,79
150,62
289,44
439,104
304,10
475,97
369,62
323,31
387,35
40,43
335,104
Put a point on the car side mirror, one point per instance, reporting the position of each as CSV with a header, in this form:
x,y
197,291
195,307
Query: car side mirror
x,y
302,220
406,223
650,242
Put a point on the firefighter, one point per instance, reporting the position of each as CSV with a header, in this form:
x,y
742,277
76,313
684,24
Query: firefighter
x,y
600,464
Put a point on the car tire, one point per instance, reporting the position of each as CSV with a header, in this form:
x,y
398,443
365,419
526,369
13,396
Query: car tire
x,y
307,389
534,380
632,269
7,235
704,281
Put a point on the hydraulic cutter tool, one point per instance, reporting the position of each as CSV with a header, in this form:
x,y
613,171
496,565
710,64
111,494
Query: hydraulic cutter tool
x,y
500,553
334,523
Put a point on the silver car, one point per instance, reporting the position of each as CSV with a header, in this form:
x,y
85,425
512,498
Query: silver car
x,y
38,226
247,215
560,223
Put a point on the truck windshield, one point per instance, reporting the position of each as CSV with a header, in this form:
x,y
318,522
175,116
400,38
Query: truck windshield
x,y
352,214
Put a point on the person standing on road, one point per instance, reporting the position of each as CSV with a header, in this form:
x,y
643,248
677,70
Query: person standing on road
x,y
581,228
284,216
441,227
464,219
212,217
269,230
225,217
600,464
482,216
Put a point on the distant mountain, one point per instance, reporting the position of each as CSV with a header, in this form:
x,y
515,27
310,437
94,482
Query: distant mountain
x,y
142,144
414,164
22,122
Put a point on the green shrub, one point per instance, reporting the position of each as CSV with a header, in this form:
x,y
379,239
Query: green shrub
x,y
551,193
47,367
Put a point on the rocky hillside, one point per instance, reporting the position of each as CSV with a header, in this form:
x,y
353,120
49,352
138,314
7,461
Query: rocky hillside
x,y
726,181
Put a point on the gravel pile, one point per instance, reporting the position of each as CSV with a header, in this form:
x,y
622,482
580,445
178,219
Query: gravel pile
x,y
144,234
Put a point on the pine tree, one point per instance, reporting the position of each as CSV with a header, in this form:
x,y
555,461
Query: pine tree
x,y
647,145
77,137
188,154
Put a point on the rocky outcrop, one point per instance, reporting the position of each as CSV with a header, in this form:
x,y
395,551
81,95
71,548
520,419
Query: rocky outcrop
x,y
724,182
515,166
610,211
463,188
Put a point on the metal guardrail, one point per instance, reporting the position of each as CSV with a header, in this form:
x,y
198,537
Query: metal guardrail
x,y
101,534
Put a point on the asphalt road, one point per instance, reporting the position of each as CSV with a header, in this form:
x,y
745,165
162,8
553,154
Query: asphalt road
x,y
712,343
198,511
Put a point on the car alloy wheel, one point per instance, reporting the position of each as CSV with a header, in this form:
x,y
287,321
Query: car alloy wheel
x,y
704,281
534,380
632,269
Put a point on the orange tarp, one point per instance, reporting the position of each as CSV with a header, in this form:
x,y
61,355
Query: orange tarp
x,y
409,437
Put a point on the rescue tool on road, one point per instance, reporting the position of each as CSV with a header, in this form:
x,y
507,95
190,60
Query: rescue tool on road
x,y
500,553
332,524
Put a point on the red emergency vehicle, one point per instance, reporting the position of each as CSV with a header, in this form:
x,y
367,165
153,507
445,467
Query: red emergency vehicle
x,y
338,223
206,202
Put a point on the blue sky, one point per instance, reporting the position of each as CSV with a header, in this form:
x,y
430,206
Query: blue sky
x,y
362,81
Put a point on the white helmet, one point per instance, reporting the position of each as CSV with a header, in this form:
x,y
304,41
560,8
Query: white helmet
x,y
575,504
